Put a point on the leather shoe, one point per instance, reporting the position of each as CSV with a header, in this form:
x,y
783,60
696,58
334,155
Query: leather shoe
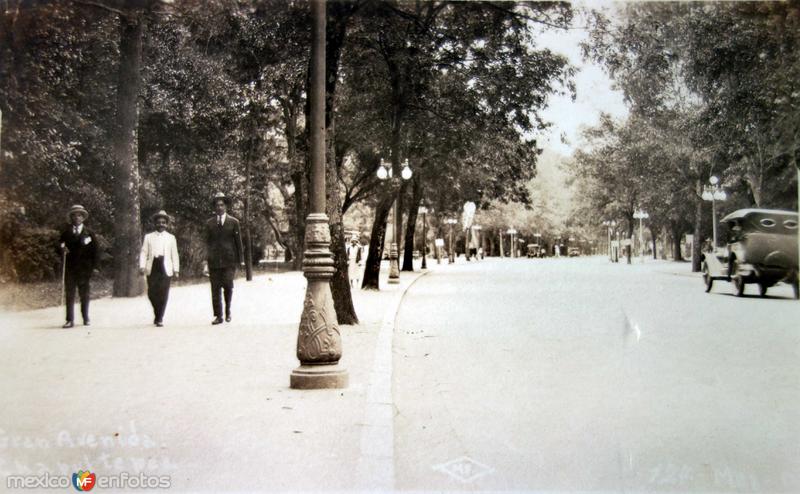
x,y
217,320
68,324
228,318
86,323
159,324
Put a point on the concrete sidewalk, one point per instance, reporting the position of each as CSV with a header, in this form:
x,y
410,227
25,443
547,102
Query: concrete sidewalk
x,y
207,405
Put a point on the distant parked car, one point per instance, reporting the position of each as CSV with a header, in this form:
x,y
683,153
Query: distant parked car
x,y
574,252
762,249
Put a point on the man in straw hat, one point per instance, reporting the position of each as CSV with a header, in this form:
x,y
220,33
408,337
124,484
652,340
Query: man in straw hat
x,y
81,257
224,253
159,261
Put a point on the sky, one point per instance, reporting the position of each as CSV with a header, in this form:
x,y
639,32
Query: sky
x,y
593,88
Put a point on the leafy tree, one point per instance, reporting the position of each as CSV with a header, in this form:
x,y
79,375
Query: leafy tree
x,y
731,67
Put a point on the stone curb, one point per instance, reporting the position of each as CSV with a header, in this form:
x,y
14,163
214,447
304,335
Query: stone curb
x,y
375,470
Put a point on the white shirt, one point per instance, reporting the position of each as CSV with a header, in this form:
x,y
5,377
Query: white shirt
x,y
159,244
77,229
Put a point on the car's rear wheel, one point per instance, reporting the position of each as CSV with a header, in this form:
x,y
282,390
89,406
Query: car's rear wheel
x,y
707,279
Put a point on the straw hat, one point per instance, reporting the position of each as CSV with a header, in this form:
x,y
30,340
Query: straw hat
x,y
220,195
77,208
160,214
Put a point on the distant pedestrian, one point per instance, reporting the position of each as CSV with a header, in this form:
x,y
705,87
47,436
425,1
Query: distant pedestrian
x,y
81,256
224,253
159,261
354,262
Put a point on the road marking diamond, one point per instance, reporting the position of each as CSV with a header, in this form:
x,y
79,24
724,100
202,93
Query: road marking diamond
x,y
464,469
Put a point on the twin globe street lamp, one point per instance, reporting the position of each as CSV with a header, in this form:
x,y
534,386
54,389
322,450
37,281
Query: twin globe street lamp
x,y
385,172
714,192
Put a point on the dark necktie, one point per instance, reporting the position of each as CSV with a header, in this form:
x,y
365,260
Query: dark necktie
x,y
219,221
75,230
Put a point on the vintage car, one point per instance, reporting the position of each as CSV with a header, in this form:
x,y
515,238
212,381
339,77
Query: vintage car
x,y
533,250
573,252
762,249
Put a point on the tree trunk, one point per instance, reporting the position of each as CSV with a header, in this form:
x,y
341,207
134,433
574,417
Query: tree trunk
x,y
338,16
299,224
127,221
629,247
676,241
500,241
411,225
698,222
340,283
248,240
372,267
653,241
295,244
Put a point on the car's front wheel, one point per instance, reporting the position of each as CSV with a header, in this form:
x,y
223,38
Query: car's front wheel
x,y
762,289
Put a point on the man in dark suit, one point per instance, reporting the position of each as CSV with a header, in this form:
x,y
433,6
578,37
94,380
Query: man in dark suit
x,y
82,254
224,253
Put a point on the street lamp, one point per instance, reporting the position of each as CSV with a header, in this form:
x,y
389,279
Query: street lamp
x,y
641,215
511,232
424,211
319,343
714,192
610,224
451,221
386,172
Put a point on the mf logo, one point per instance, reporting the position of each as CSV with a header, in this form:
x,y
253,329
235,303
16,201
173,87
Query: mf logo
x,y
84,480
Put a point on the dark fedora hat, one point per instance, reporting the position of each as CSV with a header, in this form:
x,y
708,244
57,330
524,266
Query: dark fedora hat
x,y
77,208
220,195
161,214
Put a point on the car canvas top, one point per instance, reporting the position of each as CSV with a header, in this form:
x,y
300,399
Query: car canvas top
x,y
742,213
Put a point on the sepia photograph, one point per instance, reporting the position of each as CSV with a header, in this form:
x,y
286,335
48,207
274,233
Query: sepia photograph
x,y
399,246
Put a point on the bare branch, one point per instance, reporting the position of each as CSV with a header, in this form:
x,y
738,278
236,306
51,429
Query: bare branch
x,y
101,6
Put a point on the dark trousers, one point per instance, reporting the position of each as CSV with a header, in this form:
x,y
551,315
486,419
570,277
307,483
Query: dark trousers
x,y
158,288
81,282
221,281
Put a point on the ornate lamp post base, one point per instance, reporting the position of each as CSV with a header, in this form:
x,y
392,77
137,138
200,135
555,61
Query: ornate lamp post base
x,y
318,377
394,266
319,343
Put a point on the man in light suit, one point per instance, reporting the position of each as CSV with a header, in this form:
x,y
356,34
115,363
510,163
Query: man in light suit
x,y
159,261
225,252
